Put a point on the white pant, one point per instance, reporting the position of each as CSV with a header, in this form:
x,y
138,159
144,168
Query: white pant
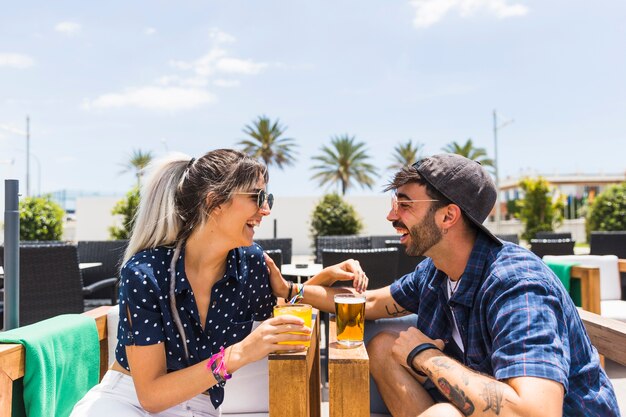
x,y
116,396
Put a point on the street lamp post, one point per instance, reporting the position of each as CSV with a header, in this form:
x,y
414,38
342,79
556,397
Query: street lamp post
x,y
495,162
27,156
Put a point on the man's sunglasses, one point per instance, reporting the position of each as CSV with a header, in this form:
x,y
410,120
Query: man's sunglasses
x,y
261,198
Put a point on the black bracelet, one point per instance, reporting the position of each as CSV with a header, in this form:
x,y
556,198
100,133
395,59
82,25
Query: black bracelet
x,y
416,351
221,381
290,290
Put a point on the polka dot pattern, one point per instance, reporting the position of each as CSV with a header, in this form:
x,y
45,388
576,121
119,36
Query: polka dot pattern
x,y
240,297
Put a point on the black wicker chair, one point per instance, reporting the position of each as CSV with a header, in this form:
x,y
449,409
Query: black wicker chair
x,y
379,241
553,235
50,282
284,244
108,252
340,242
541,247
610,243
508,237
381,267
277,256
406,263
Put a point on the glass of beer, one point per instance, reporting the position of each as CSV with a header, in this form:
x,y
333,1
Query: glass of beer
x,y
350,319
304,311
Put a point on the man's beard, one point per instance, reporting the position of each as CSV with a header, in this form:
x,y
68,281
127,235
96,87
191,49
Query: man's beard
x,y
424,236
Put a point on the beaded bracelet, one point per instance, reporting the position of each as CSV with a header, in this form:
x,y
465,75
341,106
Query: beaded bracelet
x,y
219,371
299,294
290,290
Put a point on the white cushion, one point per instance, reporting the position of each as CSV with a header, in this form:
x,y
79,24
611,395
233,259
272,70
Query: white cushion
x,y
113,316
614,309
248,390
610,284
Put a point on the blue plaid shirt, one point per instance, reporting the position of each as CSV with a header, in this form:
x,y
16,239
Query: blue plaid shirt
x,y
515,319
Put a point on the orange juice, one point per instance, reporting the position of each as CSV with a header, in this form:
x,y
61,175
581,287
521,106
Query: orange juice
x,y
302,311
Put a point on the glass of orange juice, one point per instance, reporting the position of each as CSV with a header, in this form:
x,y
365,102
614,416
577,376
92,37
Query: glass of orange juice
x,y
303,311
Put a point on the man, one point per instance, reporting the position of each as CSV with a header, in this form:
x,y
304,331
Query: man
x,y
496,333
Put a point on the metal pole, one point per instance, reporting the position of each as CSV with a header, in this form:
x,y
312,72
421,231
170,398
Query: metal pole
x,y
495,162
11,255
27,156
275,227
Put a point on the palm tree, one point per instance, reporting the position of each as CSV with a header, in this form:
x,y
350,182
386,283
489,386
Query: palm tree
x,y
266,143
406,154
469,151
344,163
138,161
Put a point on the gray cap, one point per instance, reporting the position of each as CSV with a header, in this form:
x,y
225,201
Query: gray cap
x,y
464,182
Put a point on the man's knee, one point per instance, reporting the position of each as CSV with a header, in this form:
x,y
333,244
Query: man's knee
x,y
379,347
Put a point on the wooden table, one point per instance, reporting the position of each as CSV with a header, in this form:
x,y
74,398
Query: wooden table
x,y
294,379
348,379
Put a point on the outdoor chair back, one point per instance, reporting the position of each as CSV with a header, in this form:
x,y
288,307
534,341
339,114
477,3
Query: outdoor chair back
x,y
340,242
406,263
284,244
276,255
379,241
108,252
508,237
553,235
542,247
610,243
50,282
380,265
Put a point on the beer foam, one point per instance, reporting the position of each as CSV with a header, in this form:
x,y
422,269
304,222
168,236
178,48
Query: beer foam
x,y
349,300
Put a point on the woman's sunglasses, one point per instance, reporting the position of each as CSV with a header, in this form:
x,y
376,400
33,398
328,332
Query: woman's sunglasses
x,y
261,198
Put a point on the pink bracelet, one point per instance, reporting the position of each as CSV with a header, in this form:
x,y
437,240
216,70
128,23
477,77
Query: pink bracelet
x,y
218,369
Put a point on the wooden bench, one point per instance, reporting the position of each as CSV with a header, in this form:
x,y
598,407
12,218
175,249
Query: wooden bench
x,y
294,383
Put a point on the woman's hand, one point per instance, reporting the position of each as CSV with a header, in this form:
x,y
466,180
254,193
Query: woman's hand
x,y
349,270
264,340
280,287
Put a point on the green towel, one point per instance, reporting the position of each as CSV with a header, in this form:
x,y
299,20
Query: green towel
x,y
562,270
62,362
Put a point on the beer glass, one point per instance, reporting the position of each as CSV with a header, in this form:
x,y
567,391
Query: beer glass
x,y
350,319
302,311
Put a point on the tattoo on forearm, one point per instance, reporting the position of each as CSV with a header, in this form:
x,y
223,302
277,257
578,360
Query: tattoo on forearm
x,y
397,313
492,394
465,378
457,396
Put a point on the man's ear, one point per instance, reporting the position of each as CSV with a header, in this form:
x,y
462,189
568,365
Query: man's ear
x,y
452,215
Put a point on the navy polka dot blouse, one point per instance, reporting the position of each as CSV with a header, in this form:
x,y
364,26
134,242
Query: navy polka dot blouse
x,y
242,296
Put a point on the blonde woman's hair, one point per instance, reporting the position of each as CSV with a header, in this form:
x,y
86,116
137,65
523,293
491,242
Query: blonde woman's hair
x,y
180,193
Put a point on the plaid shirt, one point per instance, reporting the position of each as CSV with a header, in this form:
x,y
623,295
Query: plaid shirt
x,y
515,319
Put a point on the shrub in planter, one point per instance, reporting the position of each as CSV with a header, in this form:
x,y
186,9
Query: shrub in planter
x,y
127,208
333,216
539,211
40,219
608,210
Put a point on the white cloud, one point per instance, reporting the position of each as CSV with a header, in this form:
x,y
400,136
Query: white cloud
x,y
149,31
226,83
221,37
153,98
429,12
11,129
68,28
15,60
240,66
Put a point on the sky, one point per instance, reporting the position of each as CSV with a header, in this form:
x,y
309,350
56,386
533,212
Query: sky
x,y
100,79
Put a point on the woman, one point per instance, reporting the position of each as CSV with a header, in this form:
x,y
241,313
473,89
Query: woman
x,y
191,287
